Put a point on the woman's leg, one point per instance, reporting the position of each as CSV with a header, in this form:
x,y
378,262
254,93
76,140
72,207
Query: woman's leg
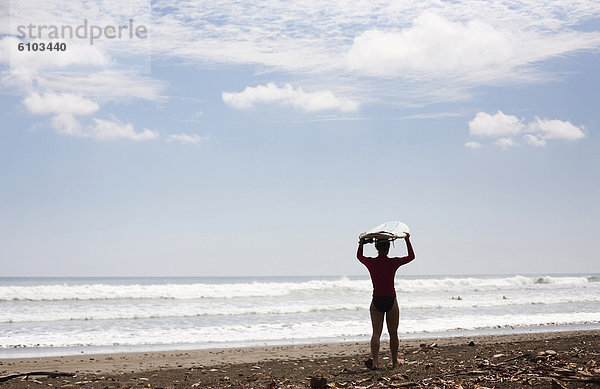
x,y
377,322
392,318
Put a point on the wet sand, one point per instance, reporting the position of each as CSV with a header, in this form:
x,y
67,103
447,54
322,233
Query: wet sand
x,y
550,359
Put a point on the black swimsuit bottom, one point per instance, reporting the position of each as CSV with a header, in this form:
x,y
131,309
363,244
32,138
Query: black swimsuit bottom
x,y
384,303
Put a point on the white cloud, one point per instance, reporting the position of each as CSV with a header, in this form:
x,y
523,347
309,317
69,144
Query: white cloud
x,y
430,51
476,51
436,51
114,129
106,85
287,95
535,133
505,143
473,145
101,130
534,140
74,93
432,45
556,129
84,76
484,34
66,124
59,104
188,139
498,124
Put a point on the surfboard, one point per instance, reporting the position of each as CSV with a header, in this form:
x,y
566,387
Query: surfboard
x,y
387,231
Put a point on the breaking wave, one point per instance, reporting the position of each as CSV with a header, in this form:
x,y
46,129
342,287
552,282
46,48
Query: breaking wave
x,y
102,291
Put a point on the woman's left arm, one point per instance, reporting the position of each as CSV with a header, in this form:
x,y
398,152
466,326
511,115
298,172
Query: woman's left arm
x,y
411,252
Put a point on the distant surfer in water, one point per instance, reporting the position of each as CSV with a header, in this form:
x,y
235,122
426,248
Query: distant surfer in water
x,y
383,270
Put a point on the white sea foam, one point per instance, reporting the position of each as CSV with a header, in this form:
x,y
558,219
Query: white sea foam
x,y
100,291
134,312
149,310
145,309
261,332
174,291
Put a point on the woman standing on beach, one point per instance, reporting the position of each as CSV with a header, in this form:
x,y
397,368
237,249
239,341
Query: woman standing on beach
x,y
383,270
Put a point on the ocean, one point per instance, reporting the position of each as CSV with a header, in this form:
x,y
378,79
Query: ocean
x,y
63,316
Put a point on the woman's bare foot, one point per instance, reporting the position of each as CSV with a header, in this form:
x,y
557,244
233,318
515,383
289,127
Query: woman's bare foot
x,y
399,362
370,364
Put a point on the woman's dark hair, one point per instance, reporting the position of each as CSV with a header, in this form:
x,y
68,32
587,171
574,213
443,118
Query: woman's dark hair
x,y
382,245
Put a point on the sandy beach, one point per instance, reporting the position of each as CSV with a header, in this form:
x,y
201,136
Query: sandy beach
x,y
550,359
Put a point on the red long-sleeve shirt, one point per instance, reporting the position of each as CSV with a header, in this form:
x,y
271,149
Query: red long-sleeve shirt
x,y
383,271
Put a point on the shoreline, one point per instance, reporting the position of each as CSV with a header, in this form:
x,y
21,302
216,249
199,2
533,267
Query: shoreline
x,y
78,351
561,359
121,362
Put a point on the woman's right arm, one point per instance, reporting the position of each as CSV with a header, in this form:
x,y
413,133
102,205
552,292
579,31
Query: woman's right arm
x,y
359,252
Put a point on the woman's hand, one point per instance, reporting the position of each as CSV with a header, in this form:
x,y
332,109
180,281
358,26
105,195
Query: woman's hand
x,y
362,240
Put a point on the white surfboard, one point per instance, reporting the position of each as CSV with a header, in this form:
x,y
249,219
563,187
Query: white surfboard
x,y
387,231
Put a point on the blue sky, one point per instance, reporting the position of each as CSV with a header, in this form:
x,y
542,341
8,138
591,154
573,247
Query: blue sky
x,y
262,138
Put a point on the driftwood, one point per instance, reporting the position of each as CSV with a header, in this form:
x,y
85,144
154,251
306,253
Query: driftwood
x,y
517,357
36,373
402,384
